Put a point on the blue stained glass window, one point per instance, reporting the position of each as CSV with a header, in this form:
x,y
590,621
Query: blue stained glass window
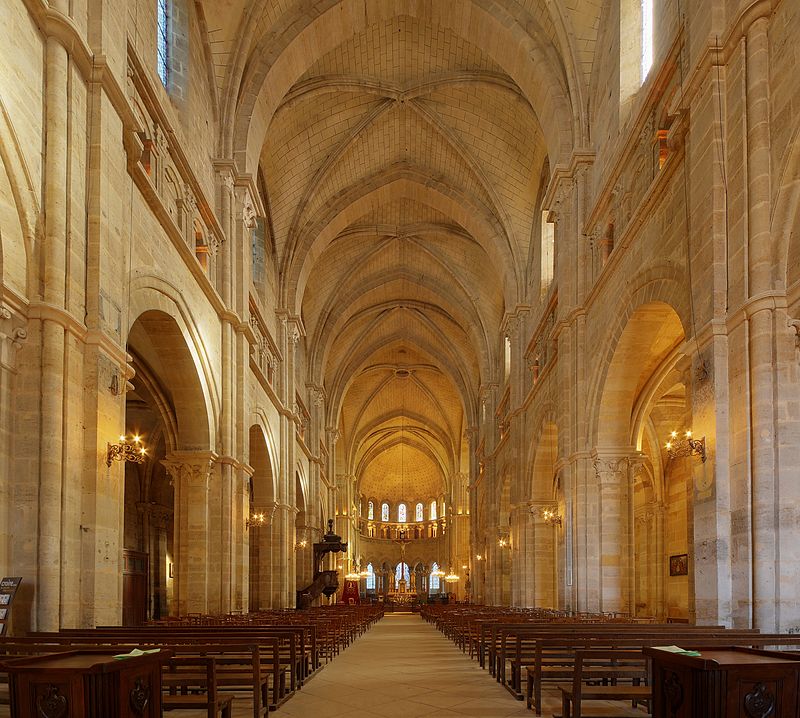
x,y
163,41
384,512
370,578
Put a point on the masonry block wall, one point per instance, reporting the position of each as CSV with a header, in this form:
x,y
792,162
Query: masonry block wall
x,y
393,162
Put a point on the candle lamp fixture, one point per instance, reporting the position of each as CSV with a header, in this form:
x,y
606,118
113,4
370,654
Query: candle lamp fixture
x,y
551,516
126,449
504,541
255,520
687,445
451,577
478,557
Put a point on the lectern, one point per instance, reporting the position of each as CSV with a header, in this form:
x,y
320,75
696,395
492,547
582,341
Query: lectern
x,y
725,683
86,684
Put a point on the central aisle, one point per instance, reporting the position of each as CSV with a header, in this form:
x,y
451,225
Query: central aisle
x,y
402,668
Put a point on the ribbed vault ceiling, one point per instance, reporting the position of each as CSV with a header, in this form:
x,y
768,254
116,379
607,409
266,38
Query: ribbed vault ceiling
x,y
403,155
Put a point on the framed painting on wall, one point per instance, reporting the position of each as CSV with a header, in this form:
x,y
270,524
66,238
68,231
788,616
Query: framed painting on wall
x,y
679,565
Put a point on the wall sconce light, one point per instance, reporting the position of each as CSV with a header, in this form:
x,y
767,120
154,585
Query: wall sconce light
x,y
301,544
503,541
126,450
686,446
255,520
551,517
478,557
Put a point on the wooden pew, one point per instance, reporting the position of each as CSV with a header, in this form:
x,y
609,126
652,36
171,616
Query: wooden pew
x,y
197,679
554,659
610,666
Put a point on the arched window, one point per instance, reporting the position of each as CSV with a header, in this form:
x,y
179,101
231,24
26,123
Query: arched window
x,y
370,511
384,511
647,38
163,41
433,511
636,33
418,513
401,513
548,253
370,577
401,572
434,580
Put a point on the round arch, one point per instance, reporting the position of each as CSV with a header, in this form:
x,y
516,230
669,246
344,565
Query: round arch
x,y
154,294
158,342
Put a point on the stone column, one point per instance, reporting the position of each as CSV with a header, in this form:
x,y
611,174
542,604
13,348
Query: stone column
x,y
155,519
774,594
283,583
12,335
51,454
239,590
191,474
542,560
613,531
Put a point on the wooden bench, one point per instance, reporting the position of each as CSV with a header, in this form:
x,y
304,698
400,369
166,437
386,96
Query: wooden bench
x,y
197,680
620,673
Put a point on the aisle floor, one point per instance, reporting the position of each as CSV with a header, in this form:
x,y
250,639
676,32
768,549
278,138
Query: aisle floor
x,y
402,668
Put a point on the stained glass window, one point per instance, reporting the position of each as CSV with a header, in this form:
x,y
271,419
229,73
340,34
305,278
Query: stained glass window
x,y
163,41
370,511
418,513
370,578
434,580
433,511
401,513
384,512
401,572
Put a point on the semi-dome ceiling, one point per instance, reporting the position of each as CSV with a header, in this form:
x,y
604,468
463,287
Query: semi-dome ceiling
x,y
404,146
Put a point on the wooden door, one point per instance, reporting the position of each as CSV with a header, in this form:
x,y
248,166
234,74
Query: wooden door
x,y
134,588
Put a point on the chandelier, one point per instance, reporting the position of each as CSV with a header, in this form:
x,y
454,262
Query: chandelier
x,y
451,577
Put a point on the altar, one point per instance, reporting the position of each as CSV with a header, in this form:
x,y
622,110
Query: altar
x,y
401,599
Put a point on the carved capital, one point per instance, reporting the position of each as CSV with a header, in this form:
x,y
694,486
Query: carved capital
x,y
189,468
317,394
12,336
794,324
293,334
248,212
611,470
485,393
